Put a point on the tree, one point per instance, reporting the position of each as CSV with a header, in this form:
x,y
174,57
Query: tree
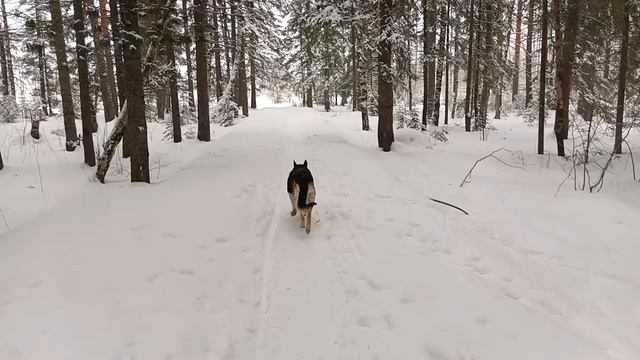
x,y
622,76
467,100
101,67
83,77
7,49
516,56
114,20
565,57
202,67
543,77
136,128
528,56
173,82
216,54
63,75
385,84
187,52
106,46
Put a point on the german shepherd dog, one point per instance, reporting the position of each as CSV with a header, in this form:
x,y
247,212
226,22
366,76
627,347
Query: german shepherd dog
x,y
302,193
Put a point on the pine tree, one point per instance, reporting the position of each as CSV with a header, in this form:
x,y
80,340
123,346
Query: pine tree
x,y
83,77
385,84
622,76
136,127
202,67
63,75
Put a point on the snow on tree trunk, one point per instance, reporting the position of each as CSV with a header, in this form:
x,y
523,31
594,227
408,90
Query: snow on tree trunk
x,y
543,77
467,100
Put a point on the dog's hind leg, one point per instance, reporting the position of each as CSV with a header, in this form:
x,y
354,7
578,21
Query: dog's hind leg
x,y
293,199
308,218
302,218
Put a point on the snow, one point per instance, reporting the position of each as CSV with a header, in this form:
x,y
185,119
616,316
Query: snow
x,y
207,263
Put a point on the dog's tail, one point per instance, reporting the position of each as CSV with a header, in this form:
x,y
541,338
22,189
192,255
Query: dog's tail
x,y
302,195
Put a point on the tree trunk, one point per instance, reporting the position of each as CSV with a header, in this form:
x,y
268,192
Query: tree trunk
x,y
456,70
528,55
63,75
160,102
543,75
242,68
487,51
8,52
137,126
187,51
516,58
504,41
42,75
622,76
566,54
114,19
467,100
83,79
385,84
441,60
446,66
106,46
225,38
354,69
101,68
202,77
173,86
409,73
216,53
3,64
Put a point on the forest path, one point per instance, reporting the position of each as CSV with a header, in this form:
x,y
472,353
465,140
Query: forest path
x,y
208,263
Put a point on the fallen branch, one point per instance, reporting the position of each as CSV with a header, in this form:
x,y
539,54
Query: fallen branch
x,y
446,203
491,155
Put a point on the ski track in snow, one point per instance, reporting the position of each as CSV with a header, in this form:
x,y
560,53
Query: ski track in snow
x,y
208,263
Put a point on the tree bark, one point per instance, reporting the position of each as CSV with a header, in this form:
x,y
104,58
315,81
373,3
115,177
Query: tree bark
x,y
83,79
467,100
446,66
242,68
137,126
3,64
106,46
456,70
441,60
516,57
528,56
622,77
71,134
101,68
187,51
202,76
385,84
173,88
114,19
354,67
565,57
487,51
6,55
216,53
225,39
543,75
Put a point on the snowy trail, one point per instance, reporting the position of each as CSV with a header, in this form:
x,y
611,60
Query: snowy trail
x,y
208,263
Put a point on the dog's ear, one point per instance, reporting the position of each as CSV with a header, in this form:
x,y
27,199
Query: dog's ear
x,y
305,163
294,163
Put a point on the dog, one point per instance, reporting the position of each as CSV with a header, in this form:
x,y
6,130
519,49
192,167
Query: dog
x,y
302,193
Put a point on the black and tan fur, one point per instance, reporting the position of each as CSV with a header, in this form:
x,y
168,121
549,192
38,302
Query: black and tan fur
x,y
302,193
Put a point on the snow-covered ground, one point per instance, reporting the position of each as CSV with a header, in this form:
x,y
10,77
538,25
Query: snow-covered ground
x,y
207,263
